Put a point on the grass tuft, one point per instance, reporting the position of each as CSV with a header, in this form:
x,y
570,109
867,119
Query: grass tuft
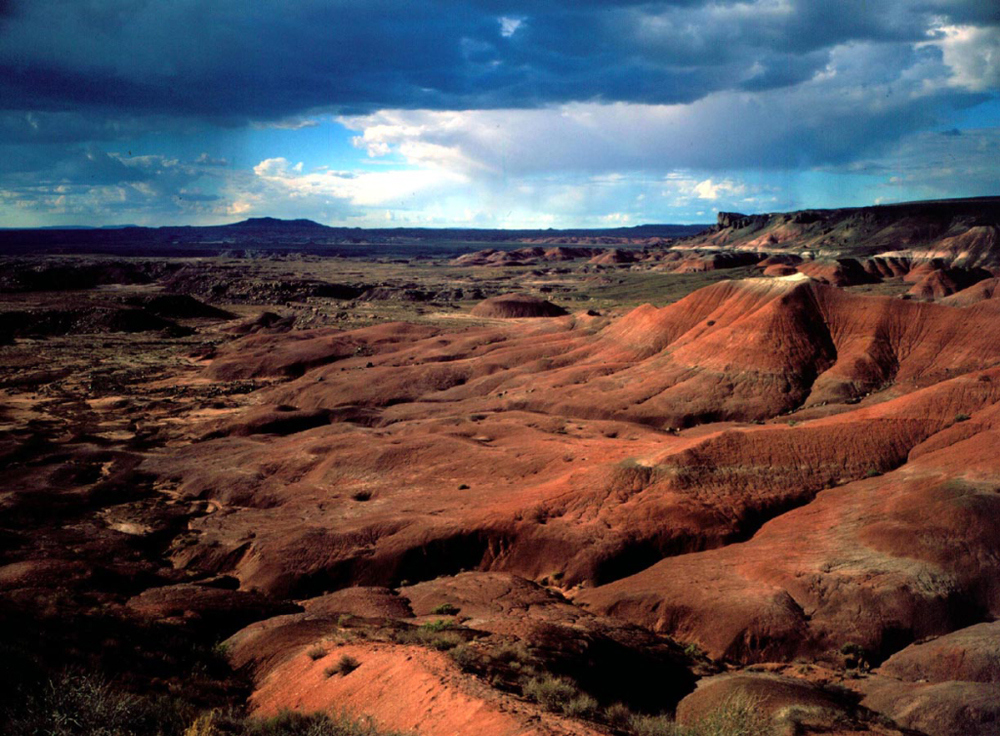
x,y
739,715
287,723
316,652
75,704
345,666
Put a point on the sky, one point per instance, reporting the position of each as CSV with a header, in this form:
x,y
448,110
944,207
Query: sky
x,y
490,113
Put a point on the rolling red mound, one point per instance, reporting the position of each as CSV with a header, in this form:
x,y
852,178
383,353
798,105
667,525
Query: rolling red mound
x,y
428,416
769,468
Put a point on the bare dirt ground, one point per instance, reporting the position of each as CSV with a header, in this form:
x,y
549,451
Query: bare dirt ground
x,y
329,483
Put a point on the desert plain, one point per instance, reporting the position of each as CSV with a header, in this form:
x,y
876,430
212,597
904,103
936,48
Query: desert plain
x,y
735,479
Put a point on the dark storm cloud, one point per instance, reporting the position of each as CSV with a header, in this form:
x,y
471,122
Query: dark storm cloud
x,y
526,87
35,127
56,164
229,61
984,12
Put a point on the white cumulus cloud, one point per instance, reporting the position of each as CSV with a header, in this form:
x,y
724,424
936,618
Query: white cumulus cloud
x,y
972,54
364,188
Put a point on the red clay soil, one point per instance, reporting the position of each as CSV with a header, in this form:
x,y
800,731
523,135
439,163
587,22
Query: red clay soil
x,y
534,452
530,255
358,601
288,656
769,468
614,256
888,266
936,283
874,563
409,688
217,608
293,661
976,245
686,261
780,259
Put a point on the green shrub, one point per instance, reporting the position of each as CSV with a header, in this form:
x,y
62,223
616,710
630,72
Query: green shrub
x,y
693,651
441,634
445,609
852,650
440,625
512,652
290,723
582,706
221,651
79,705
962,417
738,715
445,641
642,725
88,705
618,715
552,693
855,656
316,652
467,658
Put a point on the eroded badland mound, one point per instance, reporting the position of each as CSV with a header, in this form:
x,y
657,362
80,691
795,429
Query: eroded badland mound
x,y
775,499
515,306
769,469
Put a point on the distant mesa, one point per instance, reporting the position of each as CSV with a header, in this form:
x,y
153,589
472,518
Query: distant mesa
x,y
275,223
517,306
961,233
